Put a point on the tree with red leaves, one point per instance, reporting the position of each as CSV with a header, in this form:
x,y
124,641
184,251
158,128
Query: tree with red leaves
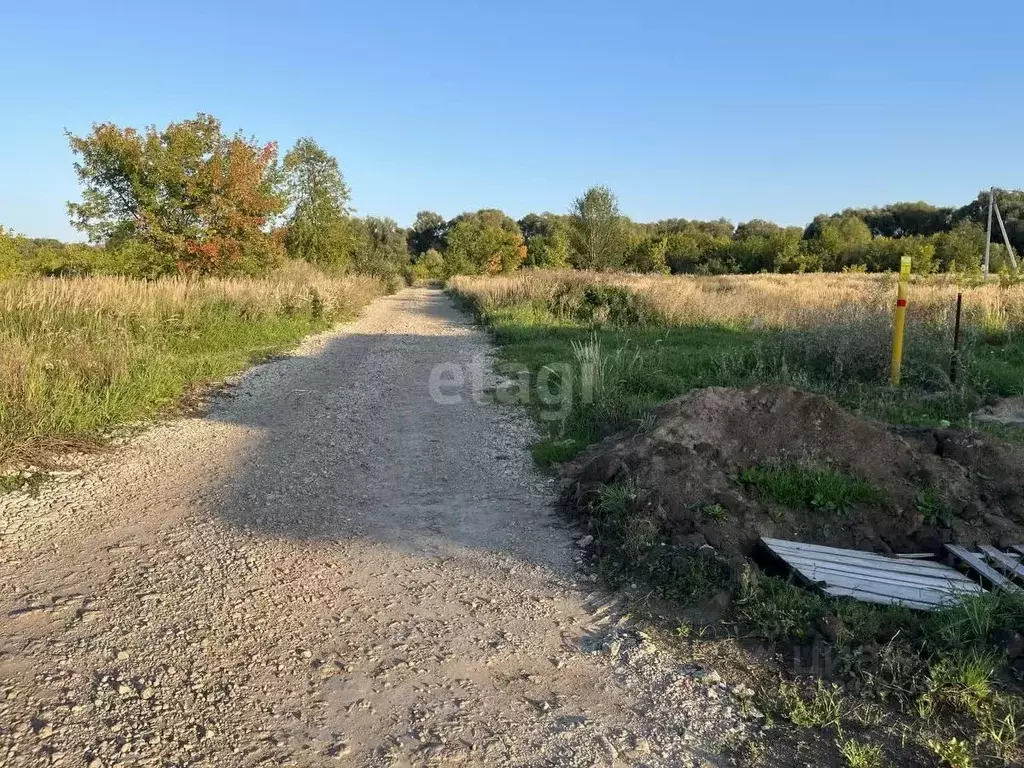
x,y
202,200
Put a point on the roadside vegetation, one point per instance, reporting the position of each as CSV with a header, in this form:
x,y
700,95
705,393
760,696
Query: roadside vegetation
x,y
657,337
885,685
206,252
84,355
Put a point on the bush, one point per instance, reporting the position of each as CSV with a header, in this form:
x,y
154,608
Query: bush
x,y
429,266
602,305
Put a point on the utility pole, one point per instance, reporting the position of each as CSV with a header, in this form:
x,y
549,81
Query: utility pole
x,y
1006,240
988,236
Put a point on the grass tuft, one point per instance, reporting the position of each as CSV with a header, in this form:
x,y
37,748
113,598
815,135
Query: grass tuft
x,y
822,708
953,752
860,755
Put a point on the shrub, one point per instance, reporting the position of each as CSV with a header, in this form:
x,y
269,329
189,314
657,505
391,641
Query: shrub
x,y
602,305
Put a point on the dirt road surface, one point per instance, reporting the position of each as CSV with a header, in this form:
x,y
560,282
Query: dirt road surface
x,y
329,567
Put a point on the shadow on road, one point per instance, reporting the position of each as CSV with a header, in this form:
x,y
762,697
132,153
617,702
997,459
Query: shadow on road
x,y
348,443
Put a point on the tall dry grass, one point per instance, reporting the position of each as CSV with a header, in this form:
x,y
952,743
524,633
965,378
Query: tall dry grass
x,y
774,301
81,355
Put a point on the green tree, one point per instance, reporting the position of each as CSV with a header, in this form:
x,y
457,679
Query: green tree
x,y
837,242
10,256
427,233
597,234
908,219
380,247
789,253
756,228
647,254
319,197
719,228
429,266
687,250
200,198
962,248
484,242
1011,206
765,248
885,254
547,240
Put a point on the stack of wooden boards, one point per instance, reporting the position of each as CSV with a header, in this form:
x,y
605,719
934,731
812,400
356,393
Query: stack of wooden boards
x,y
917,581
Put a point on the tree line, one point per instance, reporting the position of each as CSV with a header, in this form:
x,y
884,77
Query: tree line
x,y
191,199
595,235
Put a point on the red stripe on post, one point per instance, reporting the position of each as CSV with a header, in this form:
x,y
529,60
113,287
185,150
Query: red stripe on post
x,y
901,302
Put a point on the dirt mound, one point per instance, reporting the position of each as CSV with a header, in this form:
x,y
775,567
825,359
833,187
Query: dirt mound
x,y
725,466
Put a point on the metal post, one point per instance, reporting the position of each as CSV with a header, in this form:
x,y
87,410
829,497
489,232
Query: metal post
x,y
898,322
988,236
955,361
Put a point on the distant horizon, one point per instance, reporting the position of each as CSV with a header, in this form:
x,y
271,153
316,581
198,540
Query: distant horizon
x,y
738,110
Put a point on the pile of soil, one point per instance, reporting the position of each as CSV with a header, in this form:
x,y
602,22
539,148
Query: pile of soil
x,y
700,443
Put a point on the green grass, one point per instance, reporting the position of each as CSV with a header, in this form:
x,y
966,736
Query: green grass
x,y
821,709
953,752
629,545
799,483
929,502
16,482
860,755
658,363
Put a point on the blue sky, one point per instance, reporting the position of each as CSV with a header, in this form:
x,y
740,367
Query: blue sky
x,y
775,110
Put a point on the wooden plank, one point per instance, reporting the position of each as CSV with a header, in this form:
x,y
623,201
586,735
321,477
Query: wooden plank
x,y
946,574
1007,563
881,587
877,562
857,558
871,597
821,548
900,594
801,548
976,562
955,582
928,579
1018,548
875,578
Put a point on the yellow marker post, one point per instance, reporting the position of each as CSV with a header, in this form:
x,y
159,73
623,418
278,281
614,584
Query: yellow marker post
x,y
899,321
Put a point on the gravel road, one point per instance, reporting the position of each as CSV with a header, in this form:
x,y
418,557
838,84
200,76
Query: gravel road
x,y
328,567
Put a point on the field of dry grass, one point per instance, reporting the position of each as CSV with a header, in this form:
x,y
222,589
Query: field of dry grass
x,y
771,300
82,355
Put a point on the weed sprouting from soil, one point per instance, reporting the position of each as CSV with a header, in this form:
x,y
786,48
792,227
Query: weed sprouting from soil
x,y
953,752
860,755
822,708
